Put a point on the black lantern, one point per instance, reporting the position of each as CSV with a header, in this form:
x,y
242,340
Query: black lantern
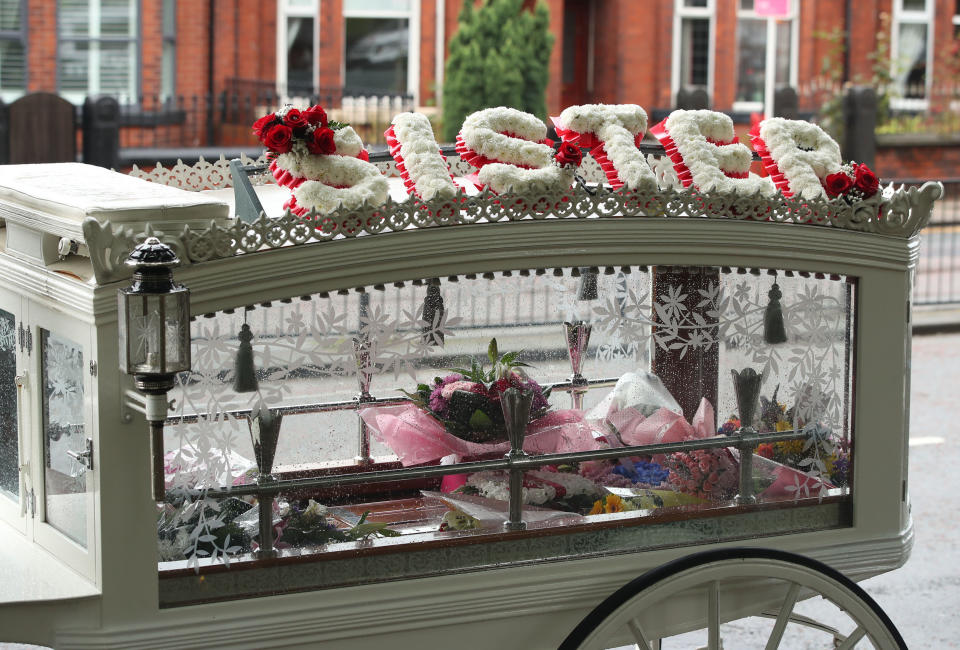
x,y
154,332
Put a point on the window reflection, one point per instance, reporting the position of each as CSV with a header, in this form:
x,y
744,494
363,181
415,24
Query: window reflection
x,y
63,430
377,51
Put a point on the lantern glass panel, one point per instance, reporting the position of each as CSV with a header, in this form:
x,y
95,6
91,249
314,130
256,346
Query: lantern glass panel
x,y
176,331
145,334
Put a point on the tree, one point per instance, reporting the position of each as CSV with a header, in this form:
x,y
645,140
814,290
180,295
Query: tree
x,y
499,56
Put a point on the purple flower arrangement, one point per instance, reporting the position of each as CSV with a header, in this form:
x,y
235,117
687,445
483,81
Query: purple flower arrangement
x,y
467,401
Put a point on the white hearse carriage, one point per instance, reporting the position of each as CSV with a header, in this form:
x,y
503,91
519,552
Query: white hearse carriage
x,y
724,373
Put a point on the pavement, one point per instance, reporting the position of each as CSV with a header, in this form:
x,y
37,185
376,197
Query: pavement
x,y
923,597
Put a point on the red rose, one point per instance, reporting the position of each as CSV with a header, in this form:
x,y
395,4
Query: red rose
x,y
295,119
568,154
316,115
279,138
262,123
837,184
502,384
866,181
321,142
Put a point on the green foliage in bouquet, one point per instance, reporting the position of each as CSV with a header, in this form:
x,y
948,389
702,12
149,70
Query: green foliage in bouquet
x,y
467,401
499,56
310,526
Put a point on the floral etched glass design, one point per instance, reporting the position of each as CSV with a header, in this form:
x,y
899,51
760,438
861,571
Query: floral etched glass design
x,y
362,380
9,429
65,479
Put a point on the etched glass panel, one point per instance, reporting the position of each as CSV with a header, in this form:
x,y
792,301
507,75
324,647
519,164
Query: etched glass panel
x,y
65,479
322,387
9,416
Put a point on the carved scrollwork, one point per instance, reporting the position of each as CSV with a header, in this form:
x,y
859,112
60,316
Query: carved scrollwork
x,y
896,211
111,244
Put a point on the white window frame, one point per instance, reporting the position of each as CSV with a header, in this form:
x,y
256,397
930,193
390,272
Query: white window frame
x,y
413,57
770,62
293,9
679,13
903,16
11,94
93,59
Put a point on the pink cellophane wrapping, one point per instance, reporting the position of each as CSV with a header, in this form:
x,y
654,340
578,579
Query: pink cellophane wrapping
x,y
665,426
785,477
417,437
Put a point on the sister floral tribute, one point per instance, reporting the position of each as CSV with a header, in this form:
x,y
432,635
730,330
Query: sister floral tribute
x,y
325,165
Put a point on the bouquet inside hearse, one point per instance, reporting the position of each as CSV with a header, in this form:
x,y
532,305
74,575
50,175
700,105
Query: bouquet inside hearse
x,y
458,417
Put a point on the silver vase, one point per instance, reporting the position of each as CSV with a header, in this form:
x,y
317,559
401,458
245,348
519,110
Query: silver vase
x,y
516,405
577,336
746,388
264,434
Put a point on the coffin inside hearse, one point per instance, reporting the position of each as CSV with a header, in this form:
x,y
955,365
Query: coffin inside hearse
x,y
646,372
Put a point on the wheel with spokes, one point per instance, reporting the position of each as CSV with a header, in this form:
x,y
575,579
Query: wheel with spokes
x,y
708,589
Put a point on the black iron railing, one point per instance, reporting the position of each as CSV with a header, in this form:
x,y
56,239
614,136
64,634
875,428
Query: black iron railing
x,y
938,275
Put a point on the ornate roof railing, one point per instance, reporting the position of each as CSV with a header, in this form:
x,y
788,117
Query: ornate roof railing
x,y
900,212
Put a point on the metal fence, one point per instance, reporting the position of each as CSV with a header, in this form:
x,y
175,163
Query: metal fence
x,y
938,274
224,119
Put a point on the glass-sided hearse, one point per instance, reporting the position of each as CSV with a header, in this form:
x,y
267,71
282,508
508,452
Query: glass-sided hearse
x,y
327,479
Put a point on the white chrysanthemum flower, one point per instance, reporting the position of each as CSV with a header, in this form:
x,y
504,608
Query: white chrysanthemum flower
x,y
616,126
485,133
803,152
421,157
699,137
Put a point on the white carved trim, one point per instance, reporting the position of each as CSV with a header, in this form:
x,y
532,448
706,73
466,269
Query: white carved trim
x,y
202,175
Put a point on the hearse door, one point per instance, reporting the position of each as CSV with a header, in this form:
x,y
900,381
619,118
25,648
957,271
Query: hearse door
x,y
65,471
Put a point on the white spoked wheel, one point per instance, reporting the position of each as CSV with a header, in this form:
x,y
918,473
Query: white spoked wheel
x,y
727,584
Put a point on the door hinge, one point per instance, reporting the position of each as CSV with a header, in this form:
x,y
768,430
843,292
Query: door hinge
x,y
31,497
26,339
93,368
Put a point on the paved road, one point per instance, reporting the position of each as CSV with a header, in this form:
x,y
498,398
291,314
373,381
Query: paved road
x,y
923,597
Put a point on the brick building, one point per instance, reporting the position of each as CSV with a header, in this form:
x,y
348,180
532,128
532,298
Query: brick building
x,y
605,50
